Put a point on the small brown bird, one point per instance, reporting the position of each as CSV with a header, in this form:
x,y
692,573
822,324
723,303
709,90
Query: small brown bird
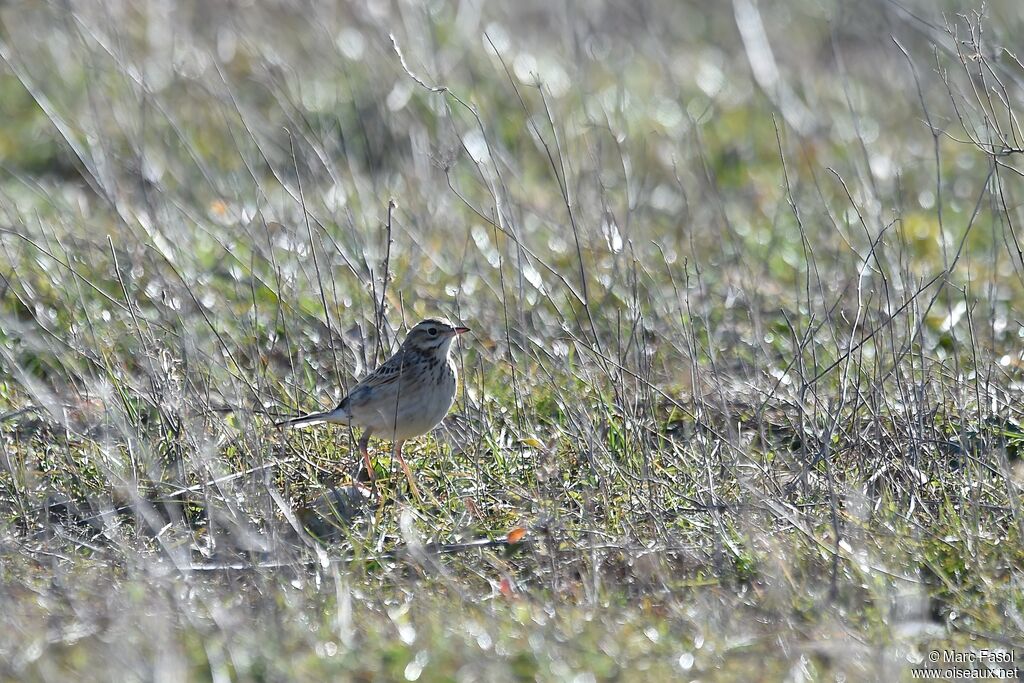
x,y
406,397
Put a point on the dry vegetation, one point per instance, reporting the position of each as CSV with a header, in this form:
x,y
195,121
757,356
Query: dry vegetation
x,y
745,281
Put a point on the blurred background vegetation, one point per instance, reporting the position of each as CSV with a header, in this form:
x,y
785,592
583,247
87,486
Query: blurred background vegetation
x,y
744,281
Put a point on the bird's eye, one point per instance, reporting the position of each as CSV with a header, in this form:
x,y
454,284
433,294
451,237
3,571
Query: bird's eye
x,y
432,331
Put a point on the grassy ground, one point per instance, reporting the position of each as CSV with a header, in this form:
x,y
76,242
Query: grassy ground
x,y
742,397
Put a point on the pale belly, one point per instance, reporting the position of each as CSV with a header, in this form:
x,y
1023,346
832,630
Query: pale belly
x,y
413,414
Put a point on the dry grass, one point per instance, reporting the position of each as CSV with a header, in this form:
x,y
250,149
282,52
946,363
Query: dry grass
x,y
746,363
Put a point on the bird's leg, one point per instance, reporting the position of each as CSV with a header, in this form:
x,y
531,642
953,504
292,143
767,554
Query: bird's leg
x,y
364,444
408,472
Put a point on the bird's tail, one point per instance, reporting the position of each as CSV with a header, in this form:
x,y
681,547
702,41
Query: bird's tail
x,y
313,419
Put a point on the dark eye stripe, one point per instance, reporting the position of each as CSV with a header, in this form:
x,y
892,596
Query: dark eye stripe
x,y
432,331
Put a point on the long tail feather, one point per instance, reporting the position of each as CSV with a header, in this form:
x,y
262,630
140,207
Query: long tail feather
x,y
311,419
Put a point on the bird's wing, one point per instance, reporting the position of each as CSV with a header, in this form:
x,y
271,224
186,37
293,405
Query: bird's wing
x,y
379,386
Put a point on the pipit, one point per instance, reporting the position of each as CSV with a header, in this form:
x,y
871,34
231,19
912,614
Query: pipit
x,y
405,397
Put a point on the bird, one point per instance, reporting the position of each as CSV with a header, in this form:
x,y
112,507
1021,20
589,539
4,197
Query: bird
x,y
405,397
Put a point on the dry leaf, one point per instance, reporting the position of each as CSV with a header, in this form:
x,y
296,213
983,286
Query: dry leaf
x,y
516,535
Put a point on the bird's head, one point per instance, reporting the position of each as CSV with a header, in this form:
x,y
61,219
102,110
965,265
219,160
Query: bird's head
x,y
433,336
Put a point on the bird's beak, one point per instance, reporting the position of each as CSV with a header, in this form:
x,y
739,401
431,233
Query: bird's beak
x,y
461,330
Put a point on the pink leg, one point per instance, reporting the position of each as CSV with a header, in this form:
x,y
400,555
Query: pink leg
x,y
364,443
408,472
